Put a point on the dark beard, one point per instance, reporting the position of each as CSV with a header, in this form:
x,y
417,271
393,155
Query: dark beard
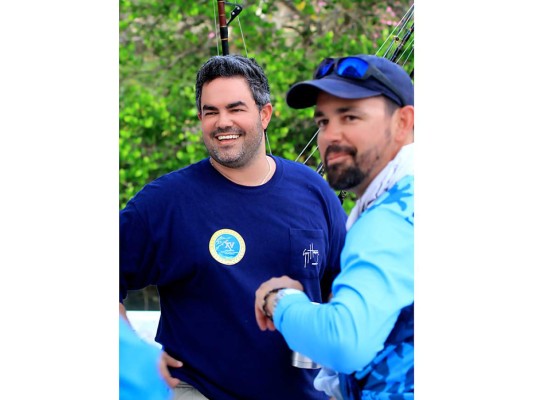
x,y
343,176
241,160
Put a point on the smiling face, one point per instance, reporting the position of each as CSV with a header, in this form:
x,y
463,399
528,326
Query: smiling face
x,y
358,138
232,125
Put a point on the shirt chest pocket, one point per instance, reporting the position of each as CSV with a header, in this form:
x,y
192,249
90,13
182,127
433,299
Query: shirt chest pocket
x,y
308,252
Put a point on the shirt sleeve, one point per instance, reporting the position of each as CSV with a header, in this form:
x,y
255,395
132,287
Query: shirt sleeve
x,y
136,252
337,236
375,283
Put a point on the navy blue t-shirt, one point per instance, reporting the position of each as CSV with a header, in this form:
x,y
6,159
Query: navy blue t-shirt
x,y
208,243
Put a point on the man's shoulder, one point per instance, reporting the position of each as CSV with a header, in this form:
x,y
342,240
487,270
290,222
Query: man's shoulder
x,y
399,198
299,168
170,183
181,174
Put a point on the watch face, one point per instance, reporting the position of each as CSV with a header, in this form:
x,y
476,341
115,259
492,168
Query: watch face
x,y
289,291
285,292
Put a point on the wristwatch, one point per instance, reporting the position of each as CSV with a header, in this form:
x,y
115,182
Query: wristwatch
x,y
282,293
279,292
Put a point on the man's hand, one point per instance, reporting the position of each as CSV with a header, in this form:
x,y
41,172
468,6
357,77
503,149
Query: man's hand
x,y
122,311
165,362
282,282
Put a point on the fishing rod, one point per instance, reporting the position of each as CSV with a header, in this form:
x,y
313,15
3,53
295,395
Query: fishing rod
x,y
223,23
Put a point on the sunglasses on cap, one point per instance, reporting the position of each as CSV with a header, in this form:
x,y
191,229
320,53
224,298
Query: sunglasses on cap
x,y
355,68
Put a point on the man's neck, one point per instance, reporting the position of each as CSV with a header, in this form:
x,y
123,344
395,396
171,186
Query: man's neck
x,y
256,173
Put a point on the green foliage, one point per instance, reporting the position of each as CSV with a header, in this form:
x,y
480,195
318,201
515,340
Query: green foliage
x,y
163,43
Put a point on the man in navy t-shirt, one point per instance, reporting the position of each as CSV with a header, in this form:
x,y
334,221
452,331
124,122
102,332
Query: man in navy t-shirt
x,y
207,235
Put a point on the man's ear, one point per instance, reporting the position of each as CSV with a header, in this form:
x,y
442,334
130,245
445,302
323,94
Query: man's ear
x,y
404,122
266,114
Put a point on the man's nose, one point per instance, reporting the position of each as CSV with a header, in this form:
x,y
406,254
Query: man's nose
x,y
332,132
224,120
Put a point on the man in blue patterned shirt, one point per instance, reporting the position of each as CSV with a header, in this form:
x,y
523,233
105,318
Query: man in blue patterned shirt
x,y
364,336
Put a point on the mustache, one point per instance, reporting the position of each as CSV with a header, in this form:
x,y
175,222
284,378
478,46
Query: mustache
x,y
336,148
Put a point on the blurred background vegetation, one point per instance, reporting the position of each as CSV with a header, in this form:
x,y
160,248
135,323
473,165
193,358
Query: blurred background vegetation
x,y
164,42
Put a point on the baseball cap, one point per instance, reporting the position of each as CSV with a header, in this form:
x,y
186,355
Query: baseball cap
x,y
354,77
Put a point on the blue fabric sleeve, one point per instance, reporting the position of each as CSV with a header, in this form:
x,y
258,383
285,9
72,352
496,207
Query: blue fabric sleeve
x,y
139,376
375,283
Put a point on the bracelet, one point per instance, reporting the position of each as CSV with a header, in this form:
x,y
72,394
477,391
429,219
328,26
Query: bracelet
x,y
265,299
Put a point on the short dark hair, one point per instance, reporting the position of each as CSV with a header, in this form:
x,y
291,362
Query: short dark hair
x,y
230,66
390,105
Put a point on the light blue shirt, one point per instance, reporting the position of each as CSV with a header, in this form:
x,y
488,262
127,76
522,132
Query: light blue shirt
x,y
375,283
139,376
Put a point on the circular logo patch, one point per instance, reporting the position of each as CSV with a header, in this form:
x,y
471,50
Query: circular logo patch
x,y
227,247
